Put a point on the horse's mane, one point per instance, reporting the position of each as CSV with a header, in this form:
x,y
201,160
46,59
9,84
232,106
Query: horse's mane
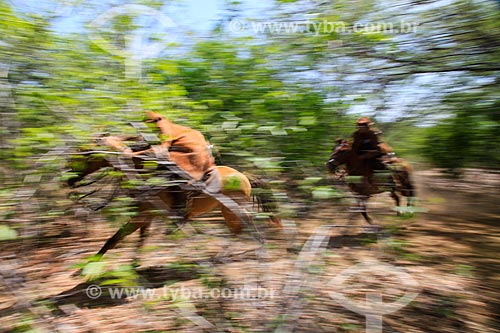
x,y
343,142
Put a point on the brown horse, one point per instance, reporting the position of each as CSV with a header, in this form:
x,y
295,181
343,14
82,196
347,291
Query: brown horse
x,y
397,178
233,184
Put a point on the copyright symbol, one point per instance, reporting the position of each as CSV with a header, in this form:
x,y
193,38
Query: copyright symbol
x,y
93,291
236,26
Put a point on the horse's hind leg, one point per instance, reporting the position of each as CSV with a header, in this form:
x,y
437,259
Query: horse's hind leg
x,y
232,221
407,188
411,195
396,200
144,233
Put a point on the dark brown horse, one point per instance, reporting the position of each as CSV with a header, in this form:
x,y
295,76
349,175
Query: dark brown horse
x,y
234,186
397,177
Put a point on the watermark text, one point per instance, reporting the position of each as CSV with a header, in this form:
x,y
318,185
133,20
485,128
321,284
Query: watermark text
x,y
323,27
181,293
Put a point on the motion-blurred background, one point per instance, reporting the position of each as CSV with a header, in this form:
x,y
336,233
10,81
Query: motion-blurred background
x,y
272,85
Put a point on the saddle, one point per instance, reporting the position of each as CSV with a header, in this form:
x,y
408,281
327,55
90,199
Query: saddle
x,y
212,181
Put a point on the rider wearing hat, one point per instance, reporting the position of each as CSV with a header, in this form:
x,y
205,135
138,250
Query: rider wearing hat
x,y
366,144
187,147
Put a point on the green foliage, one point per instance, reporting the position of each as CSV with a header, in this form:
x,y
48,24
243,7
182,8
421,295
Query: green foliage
x,y
464,270
469,138
325,192
123,275
94,269
274,101
231,184
120,210
7,233
257,115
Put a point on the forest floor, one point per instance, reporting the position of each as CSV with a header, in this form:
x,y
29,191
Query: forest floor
x,y
439,269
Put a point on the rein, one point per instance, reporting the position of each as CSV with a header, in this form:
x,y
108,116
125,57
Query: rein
x,y
104,174
90,152
107,200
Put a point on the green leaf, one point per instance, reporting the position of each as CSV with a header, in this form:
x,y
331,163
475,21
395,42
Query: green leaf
x,y
7,233
324,192
94,269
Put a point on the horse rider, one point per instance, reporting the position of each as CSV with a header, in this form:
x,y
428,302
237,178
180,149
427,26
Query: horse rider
x,y
184,146
367,144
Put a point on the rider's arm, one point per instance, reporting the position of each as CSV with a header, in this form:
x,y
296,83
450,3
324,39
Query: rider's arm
x,y
115,142
166,143
131,137
374,137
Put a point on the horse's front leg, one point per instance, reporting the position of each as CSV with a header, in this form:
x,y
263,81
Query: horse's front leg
x,y
362,206
123,232
367,218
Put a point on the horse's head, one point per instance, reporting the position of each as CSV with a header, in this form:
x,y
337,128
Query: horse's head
x,y
83,163
339,156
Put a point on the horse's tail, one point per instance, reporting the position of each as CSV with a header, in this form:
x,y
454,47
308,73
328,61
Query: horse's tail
x,y
263,195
